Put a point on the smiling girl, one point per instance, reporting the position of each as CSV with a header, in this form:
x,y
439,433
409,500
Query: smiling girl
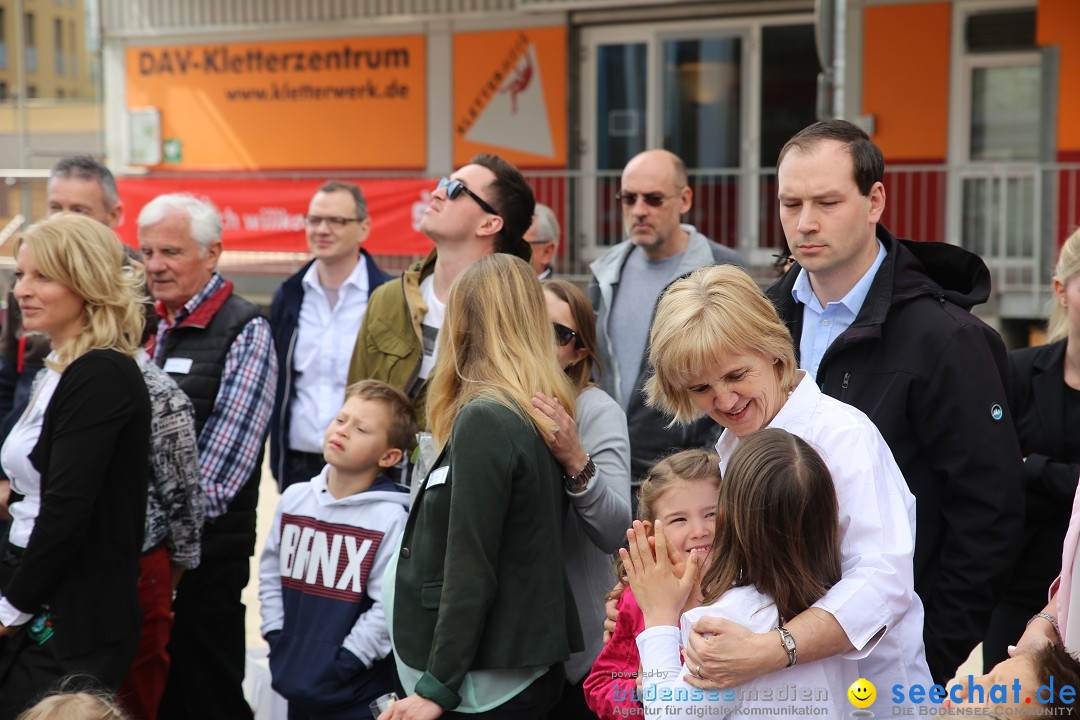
x,y
775,552
680,491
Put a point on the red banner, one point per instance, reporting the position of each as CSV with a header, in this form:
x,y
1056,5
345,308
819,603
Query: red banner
x,y
268,215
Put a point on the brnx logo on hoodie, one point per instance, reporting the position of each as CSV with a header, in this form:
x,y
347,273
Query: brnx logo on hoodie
x,y
326,559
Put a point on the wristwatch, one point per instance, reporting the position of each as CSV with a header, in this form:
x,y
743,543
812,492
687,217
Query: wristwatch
x,y
580,481
788,643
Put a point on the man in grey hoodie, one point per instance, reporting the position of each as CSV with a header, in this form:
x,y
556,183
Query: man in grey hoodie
x,y
625,284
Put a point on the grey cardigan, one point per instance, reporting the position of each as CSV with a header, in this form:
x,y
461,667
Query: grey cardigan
x,y
597,520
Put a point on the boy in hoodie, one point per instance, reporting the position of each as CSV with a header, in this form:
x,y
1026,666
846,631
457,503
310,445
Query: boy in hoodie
x,y
320,576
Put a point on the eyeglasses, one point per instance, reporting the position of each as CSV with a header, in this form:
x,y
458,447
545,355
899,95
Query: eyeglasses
x,y
454,188
336,223
564,335
651,199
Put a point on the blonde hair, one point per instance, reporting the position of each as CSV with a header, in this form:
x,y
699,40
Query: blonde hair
x,y
498,343
85,257
74,706
715,311
1068,265
401,426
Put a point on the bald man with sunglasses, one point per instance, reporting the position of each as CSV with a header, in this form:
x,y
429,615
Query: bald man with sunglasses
x,y
483,208
625,284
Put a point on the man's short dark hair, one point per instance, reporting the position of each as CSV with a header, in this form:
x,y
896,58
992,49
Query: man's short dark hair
x,y
866,157
85,167
358,196
513,198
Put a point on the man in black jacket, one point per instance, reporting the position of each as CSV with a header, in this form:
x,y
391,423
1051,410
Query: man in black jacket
x,y
884,325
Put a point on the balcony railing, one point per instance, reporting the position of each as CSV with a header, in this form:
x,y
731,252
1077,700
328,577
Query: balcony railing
x,y
1014,216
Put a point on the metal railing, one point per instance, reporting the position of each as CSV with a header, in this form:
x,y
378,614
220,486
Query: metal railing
x,y
1013,215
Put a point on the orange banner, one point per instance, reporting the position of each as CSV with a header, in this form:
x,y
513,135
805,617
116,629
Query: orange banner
x,y
268,215
510,96
339,103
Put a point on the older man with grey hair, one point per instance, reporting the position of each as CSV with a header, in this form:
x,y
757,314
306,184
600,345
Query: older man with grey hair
x,y
543,237
218,348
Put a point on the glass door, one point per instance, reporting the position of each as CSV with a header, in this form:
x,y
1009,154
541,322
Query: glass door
x,y
697,90
995,144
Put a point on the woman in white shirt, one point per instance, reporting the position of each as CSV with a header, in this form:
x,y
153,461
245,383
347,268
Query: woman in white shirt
x,y
776,551
718,348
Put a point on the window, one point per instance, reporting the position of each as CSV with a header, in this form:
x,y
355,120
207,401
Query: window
x,y
31,43
3,39
997,106
58,45
73,48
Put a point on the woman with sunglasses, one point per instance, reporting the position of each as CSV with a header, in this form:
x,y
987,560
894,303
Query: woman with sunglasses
x,y
595,456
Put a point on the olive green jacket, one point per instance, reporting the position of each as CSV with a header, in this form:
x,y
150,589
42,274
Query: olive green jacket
x,y
390,344
481,583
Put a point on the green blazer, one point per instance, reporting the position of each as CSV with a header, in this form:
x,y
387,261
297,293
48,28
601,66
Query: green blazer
x,y
480,581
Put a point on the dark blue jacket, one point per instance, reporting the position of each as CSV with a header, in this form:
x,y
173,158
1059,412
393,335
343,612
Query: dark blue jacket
x,y
284,323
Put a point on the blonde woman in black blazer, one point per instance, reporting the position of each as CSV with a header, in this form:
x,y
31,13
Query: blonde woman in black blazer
x,y
78,464
1046,409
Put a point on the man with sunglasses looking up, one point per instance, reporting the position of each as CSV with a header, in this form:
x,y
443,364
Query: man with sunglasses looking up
x,y
310,313
625,285
483,208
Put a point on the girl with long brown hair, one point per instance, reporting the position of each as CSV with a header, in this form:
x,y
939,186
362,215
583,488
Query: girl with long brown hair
x,y
775,552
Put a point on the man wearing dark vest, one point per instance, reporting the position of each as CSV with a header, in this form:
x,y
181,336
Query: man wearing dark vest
x,y
218,348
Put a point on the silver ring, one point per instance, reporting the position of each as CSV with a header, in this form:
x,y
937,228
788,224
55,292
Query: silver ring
x,y
698,673
555,431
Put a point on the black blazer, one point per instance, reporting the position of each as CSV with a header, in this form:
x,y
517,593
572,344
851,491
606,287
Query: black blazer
x,y
1050,476
82,559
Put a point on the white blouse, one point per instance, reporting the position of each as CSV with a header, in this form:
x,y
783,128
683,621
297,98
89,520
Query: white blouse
x,y
877,522
819,687
15,457
25,479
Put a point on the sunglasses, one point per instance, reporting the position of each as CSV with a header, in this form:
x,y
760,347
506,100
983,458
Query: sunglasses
x,y
651,199
564,335
454,188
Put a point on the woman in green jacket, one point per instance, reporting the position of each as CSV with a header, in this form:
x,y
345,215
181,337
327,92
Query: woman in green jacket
x,y
482,615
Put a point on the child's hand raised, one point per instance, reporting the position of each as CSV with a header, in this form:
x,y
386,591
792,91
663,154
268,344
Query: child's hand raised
x,y
659,591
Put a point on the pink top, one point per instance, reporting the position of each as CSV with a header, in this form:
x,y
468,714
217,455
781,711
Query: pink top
x,y
611,686
1063,585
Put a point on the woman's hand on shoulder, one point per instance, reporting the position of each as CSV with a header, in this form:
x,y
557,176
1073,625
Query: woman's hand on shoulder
x,y
565,443
611,610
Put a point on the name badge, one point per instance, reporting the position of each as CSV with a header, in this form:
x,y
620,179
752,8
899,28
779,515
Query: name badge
x,y
181,366
438,476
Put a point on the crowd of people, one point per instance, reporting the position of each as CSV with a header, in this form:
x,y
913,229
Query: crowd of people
x,y
506,497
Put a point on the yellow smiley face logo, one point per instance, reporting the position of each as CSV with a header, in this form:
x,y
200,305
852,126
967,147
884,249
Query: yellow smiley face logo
x,y
862,693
